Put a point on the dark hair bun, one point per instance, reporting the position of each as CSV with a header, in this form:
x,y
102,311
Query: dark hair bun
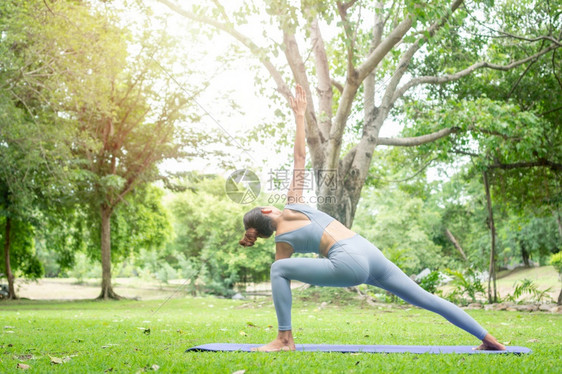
x,y
250,237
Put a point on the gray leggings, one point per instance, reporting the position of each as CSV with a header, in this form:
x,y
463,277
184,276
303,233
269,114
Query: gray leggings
x,y
356,261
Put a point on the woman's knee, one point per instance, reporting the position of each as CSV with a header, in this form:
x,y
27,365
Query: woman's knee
x,y
278,268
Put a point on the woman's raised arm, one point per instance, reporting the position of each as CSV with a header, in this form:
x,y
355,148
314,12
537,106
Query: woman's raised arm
x,y
298,104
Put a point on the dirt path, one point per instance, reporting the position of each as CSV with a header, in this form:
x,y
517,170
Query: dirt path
x,y
68,289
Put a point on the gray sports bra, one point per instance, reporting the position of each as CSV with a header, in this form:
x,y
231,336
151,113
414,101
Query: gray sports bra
x,y
307,238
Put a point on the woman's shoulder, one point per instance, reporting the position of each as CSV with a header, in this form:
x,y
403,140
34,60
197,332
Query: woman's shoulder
x,y
297,205
296,212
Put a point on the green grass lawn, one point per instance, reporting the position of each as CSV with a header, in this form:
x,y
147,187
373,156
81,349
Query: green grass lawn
x,y
92,336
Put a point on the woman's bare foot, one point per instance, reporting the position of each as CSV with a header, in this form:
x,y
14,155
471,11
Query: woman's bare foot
x,y
489,343
283,342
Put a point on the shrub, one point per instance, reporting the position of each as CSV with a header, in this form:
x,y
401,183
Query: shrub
x,y
166,273
84,268
464,285
431,281
527,286
556,261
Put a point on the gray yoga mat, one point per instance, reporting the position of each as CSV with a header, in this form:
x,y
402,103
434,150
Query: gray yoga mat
x,y
233,347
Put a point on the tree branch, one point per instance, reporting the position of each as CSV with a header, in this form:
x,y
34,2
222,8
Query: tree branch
x,y
465,153
550,111
378,27
452,77
455,243
221,9
370,138
352,85
247,42
537,39
337,84
409,54
513,36
390,12
554,69
520,78
419,171
515,165
324,88
346,6
382,50
494,133
529,164
342,10
298,69
369,88
417,140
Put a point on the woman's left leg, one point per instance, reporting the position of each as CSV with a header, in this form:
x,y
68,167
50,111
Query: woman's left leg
x,y
338,270
386,275
401,285
319,272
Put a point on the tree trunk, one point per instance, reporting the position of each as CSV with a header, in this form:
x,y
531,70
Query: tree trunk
x,y
106,289
559,221
560,298
492,298
524,255
338,195
9,275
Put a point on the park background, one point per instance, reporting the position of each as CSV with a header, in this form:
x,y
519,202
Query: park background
x,y
122,123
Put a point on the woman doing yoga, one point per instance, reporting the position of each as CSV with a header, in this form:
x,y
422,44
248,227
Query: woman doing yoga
x,y
348,258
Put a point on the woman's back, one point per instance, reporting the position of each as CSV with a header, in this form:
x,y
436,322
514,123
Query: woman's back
x,y
309,230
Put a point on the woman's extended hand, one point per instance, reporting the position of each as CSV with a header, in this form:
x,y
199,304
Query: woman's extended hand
x,y
298,103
